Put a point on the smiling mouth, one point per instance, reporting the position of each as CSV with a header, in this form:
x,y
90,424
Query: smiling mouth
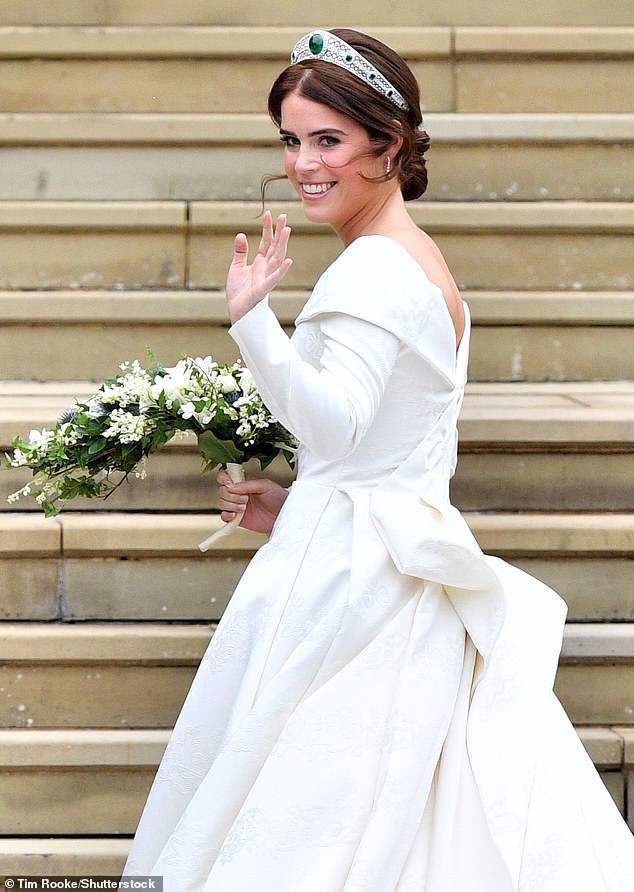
x,y
316,188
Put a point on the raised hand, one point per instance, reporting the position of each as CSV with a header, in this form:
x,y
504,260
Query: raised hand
x,y
261,500
248,283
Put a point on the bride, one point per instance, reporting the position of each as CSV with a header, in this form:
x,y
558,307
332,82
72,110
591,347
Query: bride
x,y
375,710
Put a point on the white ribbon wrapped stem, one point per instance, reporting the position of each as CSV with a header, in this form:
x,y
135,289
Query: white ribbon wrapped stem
x,y
236,472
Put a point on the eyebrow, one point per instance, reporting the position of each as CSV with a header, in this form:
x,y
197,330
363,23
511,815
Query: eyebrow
x,y
314,132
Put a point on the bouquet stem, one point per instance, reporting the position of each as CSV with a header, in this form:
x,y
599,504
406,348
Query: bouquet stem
x,y
236,472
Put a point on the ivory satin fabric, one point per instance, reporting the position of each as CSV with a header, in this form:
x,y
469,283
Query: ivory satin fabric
x,y
374,712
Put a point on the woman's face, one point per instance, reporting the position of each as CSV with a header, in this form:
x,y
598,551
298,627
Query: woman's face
x,y
324,156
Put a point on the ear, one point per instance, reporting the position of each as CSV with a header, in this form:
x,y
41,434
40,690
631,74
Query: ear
x,y
397,140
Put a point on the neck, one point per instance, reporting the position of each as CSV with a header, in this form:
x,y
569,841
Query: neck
x,y
385,216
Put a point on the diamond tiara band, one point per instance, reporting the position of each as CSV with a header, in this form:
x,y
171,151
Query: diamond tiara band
x,y
329,48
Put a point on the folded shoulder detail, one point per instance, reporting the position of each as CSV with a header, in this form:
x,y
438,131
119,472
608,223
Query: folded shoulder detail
x,y
377,280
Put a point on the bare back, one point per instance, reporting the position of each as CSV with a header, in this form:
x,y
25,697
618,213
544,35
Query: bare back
x,y
429,257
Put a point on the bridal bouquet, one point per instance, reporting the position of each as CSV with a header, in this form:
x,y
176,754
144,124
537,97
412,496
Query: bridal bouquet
x,y
98,443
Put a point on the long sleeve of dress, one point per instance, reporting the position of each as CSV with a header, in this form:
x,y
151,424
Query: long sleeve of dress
x,y
328,408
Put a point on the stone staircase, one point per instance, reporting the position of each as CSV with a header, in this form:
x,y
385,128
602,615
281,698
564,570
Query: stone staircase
x,y
132,142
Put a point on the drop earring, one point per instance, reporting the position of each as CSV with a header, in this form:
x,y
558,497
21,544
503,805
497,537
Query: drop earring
x,y
388,165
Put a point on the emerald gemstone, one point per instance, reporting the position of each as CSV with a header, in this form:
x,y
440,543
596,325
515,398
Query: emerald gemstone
x,y
371,76
315,44
348,58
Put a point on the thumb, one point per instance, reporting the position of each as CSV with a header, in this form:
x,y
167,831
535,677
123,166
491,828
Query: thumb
x,y
240,250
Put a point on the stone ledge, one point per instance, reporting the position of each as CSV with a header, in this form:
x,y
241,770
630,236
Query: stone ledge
x,y
196,306
627,735
275,42
576,415
596,641
92,215
184,644
549,307
221,216
58,856
137,644
109,12
24,535
164,535
85,747
120,308
540,41
537,216
603,745
220,42
171,128
133,534
550,534
75,748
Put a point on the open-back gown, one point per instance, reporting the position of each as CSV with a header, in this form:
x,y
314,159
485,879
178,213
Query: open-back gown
x,y
375,712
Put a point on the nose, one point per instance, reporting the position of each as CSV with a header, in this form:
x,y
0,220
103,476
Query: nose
x,y
307,159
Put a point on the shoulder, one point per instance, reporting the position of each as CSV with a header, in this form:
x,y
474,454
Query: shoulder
x,y
373,278
376,279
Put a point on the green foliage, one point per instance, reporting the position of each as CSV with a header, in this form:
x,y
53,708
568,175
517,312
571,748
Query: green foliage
x,y
98,443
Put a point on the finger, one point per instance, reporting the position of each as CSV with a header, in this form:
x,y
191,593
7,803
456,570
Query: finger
x,y
256,486
274,278
240,250
233,503
228,516
267,233
280,225
281,244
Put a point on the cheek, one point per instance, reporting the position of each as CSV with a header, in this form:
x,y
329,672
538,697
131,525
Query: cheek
x,y
289,164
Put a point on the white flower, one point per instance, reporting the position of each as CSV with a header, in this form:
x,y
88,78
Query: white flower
x,y
247,384
127,427
175,383
187,410
206,365
204,417
19,459
226,383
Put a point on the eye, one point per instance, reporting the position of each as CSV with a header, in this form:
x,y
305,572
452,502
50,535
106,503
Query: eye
x,y
329,141
289,140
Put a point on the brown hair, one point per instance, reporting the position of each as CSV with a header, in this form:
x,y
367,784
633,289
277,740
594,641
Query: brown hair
x,y
346,93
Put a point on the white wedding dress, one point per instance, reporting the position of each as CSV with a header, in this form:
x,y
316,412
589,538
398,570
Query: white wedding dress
x,y
375,711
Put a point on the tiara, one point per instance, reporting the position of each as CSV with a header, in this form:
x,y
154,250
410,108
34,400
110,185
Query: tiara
x,y
329,48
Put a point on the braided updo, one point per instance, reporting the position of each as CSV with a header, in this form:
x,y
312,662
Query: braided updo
x,y
344,92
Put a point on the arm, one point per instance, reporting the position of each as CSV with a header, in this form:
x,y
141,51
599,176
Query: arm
x,y
329,409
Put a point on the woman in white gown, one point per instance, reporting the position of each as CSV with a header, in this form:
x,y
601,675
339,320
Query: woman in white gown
x,y
375,710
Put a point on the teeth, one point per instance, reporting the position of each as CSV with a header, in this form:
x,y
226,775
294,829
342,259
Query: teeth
x,y
315,188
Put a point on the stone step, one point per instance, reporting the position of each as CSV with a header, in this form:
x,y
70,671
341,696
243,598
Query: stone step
x,y
135,245
84,566
295,12
76,782
482,157
518,245
523,446
232,68
116,675
89,782
517,336
32,856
